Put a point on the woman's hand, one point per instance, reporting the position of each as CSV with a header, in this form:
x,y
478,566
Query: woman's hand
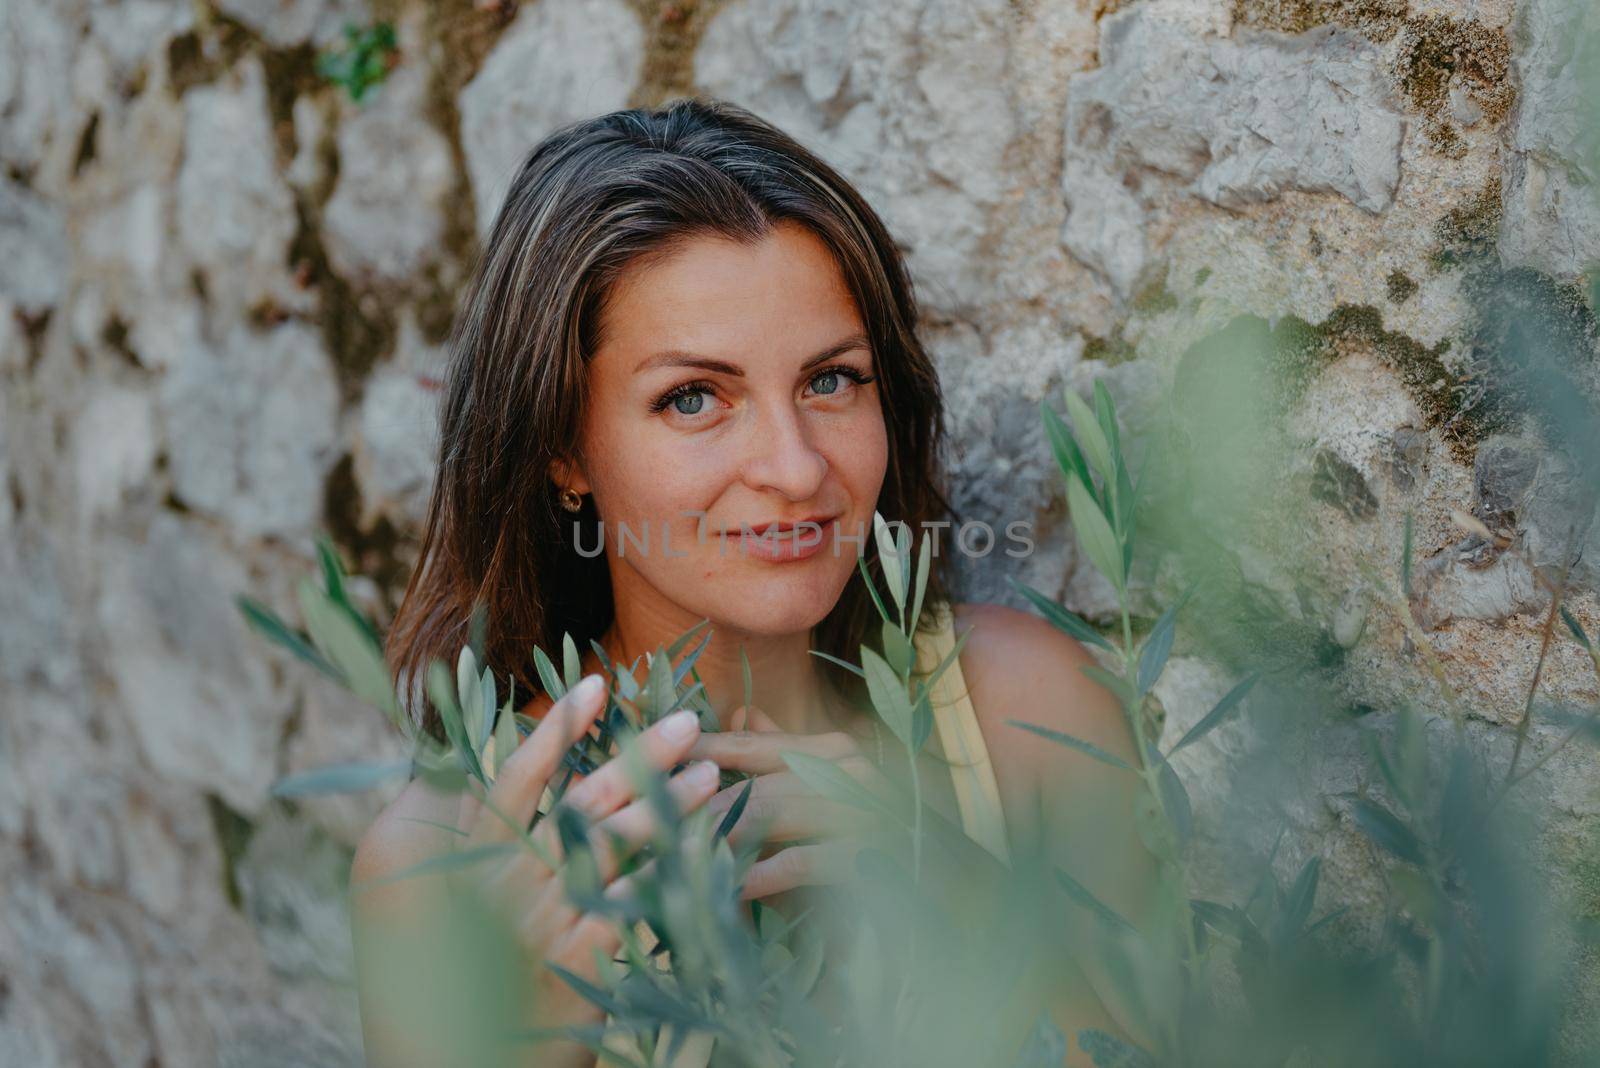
x,y
782,809
525,886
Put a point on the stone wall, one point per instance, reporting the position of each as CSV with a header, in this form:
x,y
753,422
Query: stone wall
x,y
225,287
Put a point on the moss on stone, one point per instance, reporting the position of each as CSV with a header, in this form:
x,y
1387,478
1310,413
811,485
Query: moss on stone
x,y
1401,287
201,55
233,832
290,73
1377,19
1436,52
357,330
673,29
1469,231
1201,275
1108,350
1153,297
466,32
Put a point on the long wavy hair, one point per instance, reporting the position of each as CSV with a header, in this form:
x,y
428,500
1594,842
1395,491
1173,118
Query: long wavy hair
x,y
587,201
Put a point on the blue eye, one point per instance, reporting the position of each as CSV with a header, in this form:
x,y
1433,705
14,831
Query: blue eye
x,y
687,399
827,383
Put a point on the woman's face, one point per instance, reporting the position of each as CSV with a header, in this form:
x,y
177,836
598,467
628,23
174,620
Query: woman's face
x,y
734,388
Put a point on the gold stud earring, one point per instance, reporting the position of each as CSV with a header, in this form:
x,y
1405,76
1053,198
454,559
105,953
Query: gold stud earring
x,y
570,499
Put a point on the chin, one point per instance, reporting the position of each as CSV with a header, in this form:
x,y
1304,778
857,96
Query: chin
x,y
772,600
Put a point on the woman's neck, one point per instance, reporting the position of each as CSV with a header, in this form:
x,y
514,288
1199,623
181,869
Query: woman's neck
x,y
786,680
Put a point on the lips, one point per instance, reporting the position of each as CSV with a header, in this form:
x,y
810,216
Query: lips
x,y
778,528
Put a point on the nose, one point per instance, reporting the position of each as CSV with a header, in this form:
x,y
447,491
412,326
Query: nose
x,y
782,457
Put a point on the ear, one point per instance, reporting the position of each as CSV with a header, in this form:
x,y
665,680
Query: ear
x,y
569,475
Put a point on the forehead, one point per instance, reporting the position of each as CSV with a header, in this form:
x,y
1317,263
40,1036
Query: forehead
x,y
714,295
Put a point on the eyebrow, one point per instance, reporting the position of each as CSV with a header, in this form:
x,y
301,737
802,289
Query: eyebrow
x,y
680,358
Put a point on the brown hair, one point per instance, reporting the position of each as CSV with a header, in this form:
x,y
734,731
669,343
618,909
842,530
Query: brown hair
x,y
587,200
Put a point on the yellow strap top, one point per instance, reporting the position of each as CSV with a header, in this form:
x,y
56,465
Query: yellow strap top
x,y
955,722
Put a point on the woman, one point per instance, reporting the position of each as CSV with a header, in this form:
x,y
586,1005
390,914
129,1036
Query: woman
x,y
691,341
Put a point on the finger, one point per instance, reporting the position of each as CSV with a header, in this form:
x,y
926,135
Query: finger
x,y
614,838
777,785
761,752
760,721
590,936
802,865
661,746
521,781
782,809
751,718
548,912
619,835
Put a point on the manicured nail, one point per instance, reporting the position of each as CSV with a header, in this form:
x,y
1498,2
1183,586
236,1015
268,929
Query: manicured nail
x,y
680,726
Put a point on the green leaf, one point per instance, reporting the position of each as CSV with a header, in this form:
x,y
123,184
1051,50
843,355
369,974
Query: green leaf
x,y
1575,627
1068,457
1071,742
1218,714
888,694
897,649
840,663
866,577
447,862
682,641
1115,683
1093,439
505,735
1062,619
1405,559
547,675
744,674
921,722
735,810
891,559
340,779
441,690
1302,895
1175,801
1105,413
686,665
949,658
1385,828
1158,646
469,692
332,569
924,565
571,666
269,626
1082,895
1095,535
830,781
349,648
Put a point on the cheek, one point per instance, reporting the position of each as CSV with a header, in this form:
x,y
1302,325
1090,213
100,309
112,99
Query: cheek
x,y
859,456
641,476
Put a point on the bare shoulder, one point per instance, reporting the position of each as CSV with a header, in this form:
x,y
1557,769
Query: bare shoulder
x,y
407,832
1018,667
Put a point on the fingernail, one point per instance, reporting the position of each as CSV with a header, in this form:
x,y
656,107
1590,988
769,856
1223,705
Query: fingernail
x,y
588,689
702,772
680,726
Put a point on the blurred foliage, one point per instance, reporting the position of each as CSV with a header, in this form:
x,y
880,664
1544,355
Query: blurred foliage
x,y
365,60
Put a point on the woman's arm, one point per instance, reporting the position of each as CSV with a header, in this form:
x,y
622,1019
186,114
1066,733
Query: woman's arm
x,y
1076,809
395,928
